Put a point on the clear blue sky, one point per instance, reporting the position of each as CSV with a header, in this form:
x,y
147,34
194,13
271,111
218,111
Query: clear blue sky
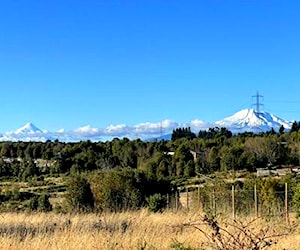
x,y
65,64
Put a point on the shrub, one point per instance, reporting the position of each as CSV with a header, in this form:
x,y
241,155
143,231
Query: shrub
x,y
117,191
157,202
34,203
44,204
125,189
296,200
79,194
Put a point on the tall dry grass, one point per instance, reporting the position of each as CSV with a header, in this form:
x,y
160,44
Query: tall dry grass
x,y
128,230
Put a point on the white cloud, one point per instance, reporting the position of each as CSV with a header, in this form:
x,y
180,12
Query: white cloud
x,y
197,125
87,130
141,130
149,128
144,130
61,131
117,130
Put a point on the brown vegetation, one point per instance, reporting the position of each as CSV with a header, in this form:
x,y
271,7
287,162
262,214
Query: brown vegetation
x,y
127,230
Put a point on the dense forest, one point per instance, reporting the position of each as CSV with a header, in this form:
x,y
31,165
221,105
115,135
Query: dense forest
x,y
215,149
150,167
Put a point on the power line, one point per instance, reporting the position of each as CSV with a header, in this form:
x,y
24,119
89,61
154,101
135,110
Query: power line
x,y
245,105
161,129
283,101
257,102
283,110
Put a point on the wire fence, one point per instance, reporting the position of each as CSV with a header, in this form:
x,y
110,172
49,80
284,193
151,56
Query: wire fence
x,y
236,202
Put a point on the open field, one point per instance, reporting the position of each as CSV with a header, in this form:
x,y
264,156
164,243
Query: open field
x,y
128,230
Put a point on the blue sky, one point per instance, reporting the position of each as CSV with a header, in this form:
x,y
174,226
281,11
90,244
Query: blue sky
x,y
66,64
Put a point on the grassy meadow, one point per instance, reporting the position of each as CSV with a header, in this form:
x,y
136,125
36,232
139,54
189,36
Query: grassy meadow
x,y
132,230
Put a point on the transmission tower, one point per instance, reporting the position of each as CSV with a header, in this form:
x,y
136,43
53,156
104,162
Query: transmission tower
x,y
257,102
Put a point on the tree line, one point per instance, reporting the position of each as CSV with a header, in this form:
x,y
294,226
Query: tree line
x,y
185,155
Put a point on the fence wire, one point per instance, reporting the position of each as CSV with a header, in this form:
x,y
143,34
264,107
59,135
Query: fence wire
x,y
237,202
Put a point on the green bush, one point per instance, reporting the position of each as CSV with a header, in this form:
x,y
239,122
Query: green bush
x,y
125,189
296,199
34,203
117,191
44,204
157,202
79,195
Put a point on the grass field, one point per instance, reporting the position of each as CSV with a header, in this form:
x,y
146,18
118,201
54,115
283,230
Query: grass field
x,y
128,230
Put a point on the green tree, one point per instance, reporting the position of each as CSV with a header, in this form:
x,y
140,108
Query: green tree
x,y
201,165
189,170
181,157
265,149
30,170
34,203
231,158
162,170
295,127
183,133
79,195
117,190
213,158
281,130
44,204
270,192
295,150
5,150
126,189
156,202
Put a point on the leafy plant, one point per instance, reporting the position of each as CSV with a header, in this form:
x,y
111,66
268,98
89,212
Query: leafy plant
x,y
44,203
79,194
156,202
34,203
296,200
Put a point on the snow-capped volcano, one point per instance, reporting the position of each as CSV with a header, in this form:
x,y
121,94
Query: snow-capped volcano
x,y
28,132
28,128
252,121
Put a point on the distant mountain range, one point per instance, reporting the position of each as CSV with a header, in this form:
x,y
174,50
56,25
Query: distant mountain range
x,y
241,121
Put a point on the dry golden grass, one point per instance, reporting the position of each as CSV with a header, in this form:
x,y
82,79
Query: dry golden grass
x,y
128,230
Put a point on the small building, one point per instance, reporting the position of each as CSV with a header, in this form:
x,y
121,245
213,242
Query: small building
x,y
283,171
261,172
170,153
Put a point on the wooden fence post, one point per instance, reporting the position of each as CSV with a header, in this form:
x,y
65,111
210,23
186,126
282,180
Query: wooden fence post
x,y
168,201
286,204
176,200
187,198
233,202
198,195
214,202
255,202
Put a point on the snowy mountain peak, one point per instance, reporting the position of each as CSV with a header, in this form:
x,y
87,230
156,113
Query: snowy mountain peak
x,y
28,128
251,120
